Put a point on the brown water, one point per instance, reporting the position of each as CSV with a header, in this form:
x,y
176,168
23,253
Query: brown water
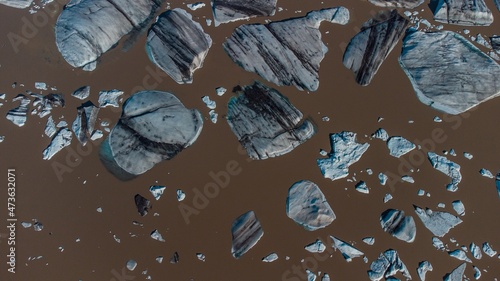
x,y
67,207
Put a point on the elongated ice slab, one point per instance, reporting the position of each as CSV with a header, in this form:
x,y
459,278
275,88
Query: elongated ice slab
x,y
316,247
409,4
233,10
459,255
246,231
347,250
439,223
345,152
488,250
308,207
399,146
387,265
476,251
398,225
486,173
20,4
86,117
61,140
50,127
18,114
270,258
463,12
447,167
82,92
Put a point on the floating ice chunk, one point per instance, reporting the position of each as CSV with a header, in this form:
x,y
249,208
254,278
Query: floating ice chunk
x,y
208,22
468,155
362,187
311,276
213,116
448,168
421,192
156,235
232,10
81,93
2,96
323,152
180,195
220,91
399,146
109,98
40,85
463,12
452,152
46,103
388,197
369,171
142,204
50,127
437,119
345,152
325,118
348,251
325,277
157,191
61,124
423,268
410,4
26,224
131,265
476,251
459,207
488,250
175,258
381,134
316,247
38,226
459,254
196,6
97,134
18,114
481,41
246,232
439,223
270,258
457,274
398,225
441,205
408,179
116,238
438,244
486,173
382,178
387,265
369,240
61,140
477,273
83,126
201,256
99,210
307,206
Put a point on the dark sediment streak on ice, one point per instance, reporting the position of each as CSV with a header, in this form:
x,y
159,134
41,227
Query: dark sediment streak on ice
x,y
409,4
462,12
246,231
232,10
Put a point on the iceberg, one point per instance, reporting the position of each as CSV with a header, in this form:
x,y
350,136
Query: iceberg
x,y
233,10
143,205
369,240
50,127
109,98
347,250
462,12
83,126
45,104
246,231
157,191
486,173
270,258
156,235
362,187
447,167
387,265
381,133
439,223
131,265
476,251
81,93
459,255
456,274
398,225
409,4
18,114
399,146
459,207
316,247
423,268
62,139
488,250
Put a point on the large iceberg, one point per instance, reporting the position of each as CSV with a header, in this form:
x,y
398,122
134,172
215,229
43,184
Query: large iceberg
x,y
246,231
265,122
232,10
462,12
177,44
286,52
447,71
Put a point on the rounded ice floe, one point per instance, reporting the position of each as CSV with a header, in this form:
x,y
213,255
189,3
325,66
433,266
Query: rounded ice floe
x,y
398,225
154,126
178,45
308,207
131,265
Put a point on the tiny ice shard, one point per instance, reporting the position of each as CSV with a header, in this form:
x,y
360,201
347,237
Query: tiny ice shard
x,y
201,256
37,226
316,247
40,86
488,250
369,240
345,152
477,272
109,98
486,173
175,258
81,93
382,178
381,134
439,223
457,274
347,250
83,126
195,6
156,235
463,12
180,195
232,10
325,277
157,191
116,238
50,127
398,225
308,207
459,207
437,119
159,259
213,116
362,187
387,265
438,244
246,232
459,255
311,276
476,251
131,265
399,146
97,134
61,140
270,258
447,167
18,114
408,179
423,268
220,91
99,210
468,155
143,204
208,102
26,224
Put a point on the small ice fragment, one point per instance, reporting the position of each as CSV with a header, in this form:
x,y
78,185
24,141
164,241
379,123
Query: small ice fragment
x,y
18,115
369,171
448,168
61,248
347,250
325,118
40,85
423,268
109,98
159,259
407,178
61,124
459,254
459,207
213,116
142,204
175,258
208,22
201,256
246,232
441,205
399,146
407,13
26,224
131,265
468,155
61,140
99,210
210,103
2,96
116,238
421,192
180,195
439,223
486,173
488,250
476,251
425,22
452,152
362,187
311,276
322,152
466,31
104,123
196,6
381,134
369,240
270,258
437,119
50,127
477,272
97,134
325,277
316,247
156,235
438,244
398,225
387,197
382,178
157,191
77,240
81,93
220,91
457,274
